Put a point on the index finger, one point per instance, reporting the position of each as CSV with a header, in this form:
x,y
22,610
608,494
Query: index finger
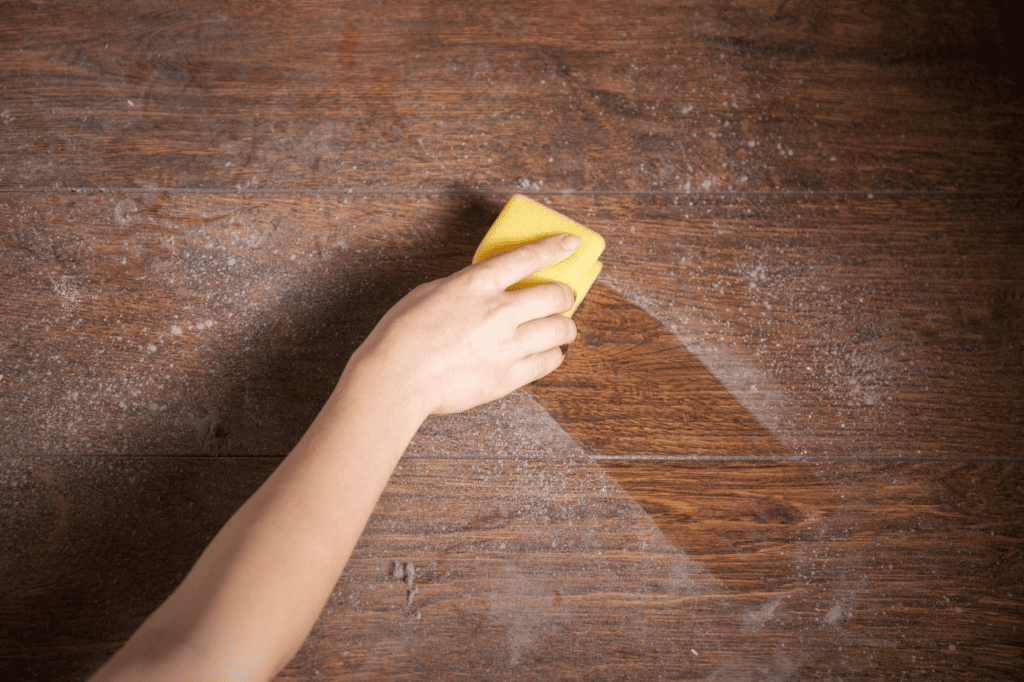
x,y
521,262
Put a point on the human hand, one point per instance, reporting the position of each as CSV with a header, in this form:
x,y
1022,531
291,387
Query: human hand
x,y
463,340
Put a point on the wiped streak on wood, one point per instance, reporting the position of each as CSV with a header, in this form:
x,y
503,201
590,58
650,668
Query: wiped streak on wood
x,y
846,326
551,568
649,96
631,389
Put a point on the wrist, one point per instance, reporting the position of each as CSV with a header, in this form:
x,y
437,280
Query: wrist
x,y
380,403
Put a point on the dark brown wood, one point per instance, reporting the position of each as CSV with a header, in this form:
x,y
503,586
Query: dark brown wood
x,y
556,568
786,446
594,96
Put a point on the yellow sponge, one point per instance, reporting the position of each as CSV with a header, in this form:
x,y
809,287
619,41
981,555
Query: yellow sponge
x,y
524,221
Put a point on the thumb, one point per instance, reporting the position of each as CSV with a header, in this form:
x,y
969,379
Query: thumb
x,y
519,263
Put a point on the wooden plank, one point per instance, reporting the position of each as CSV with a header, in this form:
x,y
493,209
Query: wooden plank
x,y
596,96
208,324
556,568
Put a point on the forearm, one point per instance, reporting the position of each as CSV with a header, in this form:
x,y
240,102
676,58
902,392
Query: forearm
x,y
250,600
449,345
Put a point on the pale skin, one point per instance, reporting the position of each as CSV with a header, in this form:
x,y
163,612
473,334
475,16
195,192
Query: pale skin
x,y
250,600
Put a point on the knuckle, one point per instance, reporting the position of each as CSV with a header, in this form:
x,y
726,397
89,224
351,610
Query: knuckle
x,y
542,365
426,288
481,278
562,295
570,330
569,296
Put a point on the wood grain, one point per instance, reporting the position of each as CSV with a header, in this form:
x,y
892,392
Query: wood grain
x,y
157,323
590,96
557,568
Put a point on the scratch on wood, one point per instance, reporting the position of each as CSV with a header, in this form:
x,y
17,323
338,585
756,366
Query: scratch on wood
x,y
406,571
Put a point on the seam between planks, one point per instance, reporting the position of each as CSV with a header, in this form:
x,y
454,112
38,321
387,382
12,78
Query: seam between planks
x,y
501,192
594,458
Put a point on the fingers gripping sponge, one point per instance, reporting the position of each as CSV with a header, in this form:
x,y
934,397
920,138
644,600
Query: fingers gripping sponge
x,y
524,221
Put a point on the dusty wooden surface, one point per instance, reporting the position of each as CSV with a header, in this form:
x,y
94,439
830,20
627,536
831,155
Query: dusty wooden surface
x,y
786,446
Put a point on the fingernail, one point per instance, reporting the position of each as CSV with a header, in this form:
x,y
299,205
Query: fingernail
x,y
572,241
